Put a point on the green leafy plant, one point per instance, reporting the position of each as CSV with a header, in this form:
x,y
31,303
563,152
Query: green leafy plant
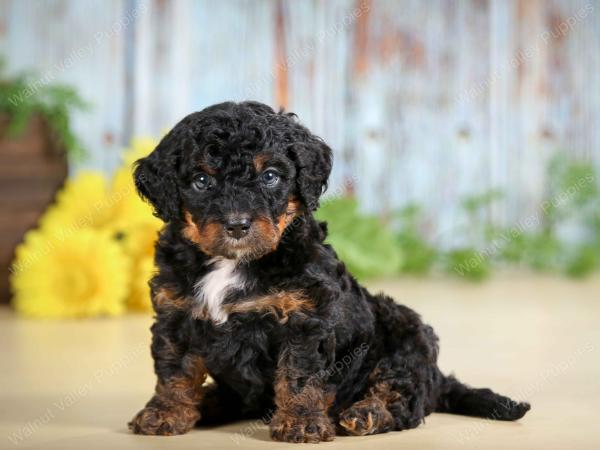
x,y
583,261
363,242
540,251
419,255
472,261
468,263
572,186
25,96
371,248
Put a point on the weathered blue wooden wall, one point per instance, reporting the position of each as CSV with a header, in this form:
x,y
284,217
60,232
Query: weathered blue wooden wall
x,y
421,100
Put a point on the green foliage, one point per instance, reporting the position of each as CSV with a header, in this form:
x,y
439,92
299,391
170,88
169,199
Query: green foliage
x,y
584,261
419,256
472,261
468,263
541,251
472,204
372,249
363,242
23,96
572,193
574,178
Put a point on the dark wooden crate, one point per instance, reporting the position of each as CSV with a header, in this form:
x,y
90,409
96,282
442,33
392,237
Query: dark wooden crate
x,y
31,171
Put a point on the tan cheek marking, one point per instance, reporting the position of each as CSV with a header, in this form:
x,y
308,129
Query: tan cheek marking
x,y
210,233
292,211
282,223
191,231
204,238
267,231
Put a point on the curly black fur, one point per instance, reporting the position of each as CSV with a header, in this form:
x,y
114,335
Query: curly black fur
x,y
294,338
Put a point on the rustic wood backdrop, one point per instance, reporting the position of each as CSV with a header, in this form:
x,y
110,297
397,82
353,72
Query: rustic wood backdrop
x,y
422,100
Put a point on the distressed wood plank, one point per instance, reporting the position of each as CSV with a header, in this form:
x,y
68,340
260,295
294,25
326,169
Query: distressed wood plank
x,y
422,101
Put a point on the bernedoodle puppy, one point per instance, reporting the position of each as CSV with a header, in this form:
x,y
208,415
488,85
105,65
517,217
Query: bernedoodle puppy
x,y
248,292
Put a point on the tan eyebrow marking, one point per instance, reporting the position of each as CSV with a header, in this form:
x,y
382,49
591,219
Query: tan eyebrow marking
x,y
207,169
260,160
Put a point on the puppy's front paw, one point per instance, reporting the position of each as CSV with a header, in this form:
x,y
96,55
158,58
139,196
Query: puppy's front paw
x,y
164,421
313,428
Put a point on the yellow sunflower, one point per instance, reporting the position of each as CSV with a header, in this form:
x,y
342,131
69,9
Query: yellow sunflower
x,y
83,202
139,292
128,208
87,274
135,223
138,242
93,252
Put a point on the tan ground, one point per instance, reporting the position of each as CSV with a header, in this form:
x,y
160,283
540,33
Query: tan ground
x,y
75,384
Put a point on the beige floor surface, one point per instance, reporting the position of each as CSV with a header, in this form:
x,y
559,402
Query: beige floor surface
x,y
75,384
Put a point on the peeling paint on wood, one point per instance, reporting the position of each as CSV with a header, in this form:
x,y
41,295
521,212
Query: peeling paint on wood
x,y
421,100
281,67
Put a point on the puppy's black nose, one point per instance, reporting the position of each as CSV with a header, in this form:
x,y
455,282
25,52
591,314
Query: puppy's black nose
x,y
237,227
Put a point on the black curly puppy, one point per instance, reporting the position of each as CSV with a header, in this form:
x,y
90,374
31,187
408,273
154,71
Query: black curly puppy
x,y
248,293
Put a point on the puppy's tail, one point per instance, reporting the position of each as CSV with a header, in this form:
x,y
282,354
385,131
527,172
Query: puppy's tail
x,y
458,398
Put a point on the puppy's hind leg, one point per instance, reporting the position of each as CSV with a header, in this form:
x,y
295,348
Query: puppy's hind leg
x,y
396,399
367,416
404,381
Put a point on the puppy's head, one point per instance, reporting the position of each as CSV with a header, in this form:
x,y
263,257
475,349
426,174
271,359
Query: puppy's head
x,y
235,176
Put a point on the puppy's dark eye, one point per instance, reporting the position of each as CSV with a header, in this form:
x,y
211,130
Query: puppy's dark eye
x,y
201,182
269,178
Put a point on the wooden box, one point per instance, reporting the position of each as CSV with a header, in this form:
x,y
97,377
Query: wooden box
x,y
32,169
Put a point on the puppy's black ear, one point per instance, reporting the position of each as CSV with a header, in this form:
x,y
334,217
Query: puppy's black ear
x,y
155,179
313,160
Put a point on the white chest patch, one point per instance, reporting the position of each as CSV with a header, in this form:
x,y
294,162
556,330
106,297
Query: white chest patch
x,y
211,289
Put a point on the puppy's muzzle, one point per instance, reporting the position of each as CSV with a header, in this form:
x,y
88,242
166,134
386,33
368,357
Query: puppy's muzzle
x,y
238,226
